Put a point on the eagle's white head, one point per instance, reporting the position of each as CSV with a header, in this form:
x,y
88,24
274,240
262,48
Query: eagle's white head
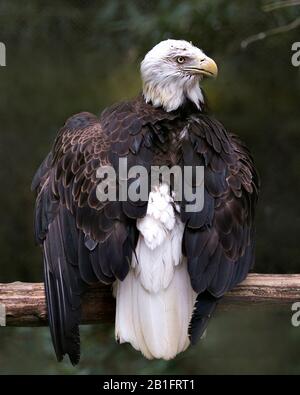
x,y
171,73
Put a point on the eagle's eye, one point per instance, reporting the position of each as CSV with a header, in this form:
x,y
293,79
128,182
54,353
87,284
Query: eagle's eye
x,y
180,59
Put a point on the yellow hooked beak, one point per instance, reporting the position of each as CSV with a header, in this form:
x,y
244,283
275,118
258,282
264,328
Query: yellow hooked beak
x,y
204,66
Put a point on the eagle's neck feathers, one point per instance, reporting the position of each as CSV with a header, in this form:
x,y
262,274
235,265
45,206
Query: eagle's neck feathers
x,y
172,94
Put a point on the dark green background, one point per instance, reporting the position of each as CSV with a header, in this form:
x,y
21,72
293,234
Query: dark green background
x,y
68,56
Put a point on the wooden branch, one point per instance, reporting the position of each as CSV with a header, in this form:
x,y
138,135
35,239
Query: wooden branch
x,y
25,302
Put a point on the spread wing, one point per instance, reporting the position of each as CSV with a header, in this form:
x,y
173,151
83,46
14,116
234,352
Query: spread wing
x,y
219,240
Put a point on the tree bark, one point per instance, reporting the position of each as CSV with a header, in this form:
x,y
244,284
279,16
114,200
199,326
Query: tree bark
x,y
24,303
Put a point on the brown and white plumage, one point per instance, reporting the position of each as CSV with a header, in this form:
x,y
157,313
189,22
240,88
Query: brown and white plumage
x,y
86,241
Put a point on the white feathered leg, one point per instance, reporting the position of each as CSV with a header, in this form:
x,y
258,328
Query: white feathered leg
x,y
155,301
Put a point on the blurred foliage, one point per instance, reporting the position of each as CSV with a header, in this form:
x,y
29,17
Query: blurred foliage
x,y
69,56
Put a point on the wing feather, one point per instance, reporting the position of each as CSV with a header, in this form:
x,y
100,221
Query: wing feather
x,y
85,240
219,241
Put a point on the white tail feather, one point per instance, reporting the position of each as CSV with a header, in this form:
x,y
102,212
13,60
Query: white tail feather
x,y
155,301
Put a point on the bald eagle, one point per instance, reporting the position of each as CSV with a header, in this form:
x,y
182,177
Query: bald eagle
x,y
169,266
